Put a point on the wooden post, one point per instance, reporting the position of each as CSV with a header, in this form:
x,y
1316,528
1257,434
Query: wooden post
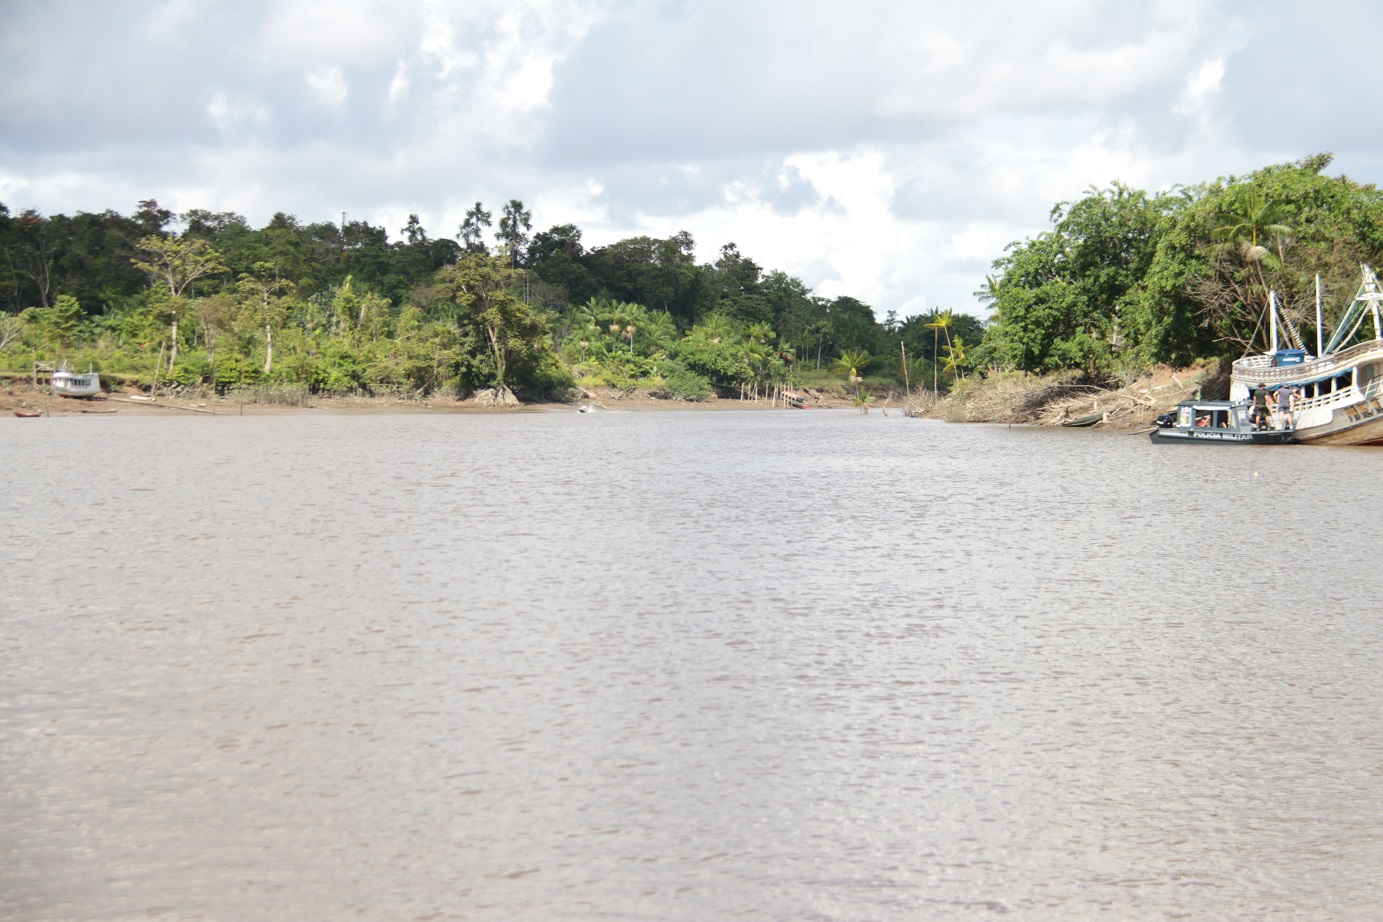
x,y
153,388
904,349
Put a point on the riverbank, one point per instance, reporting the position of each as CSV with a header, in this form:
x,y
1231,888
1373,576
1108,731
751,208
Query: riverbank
x,y
1016,398
25,399
1060,399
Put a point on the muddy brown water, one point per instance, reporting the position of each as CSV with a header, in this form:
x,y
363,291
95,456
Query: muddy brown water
x,y
641,666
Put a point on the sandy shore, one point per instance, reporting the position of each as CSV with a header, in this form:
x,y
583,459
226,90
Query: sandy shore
x,y
24,400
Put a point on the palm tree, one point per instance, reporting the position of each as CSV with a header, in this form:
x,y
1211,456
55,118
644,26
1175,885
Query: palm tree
x,y
941,321
414,232
863,400
955,359
660,328
759,333
472,229
1253,221
758,357
715,328
624,320
989,294
586,317
514,225
850,362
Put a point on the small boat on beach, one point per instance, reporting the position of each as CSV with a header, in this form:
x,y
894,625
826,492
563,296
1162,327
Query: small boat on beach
x,y
1217,422
67,383
25,415
1081,422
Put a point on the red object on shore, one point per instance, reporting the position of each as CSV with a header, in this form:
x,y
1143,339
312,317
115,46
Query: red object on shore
x,y
27,415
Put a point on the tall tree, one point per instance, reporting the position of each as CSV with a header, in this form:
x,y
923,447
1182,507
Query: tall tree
x,y
494,321
262,295
152,218
37,250
214,313
514,225
413,232
940,320
1059,296
62,324
177,263
472,234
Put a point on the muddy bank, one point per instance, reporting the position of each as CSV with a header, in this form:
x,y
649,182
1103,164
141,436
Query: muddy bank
x,y
1055,400
16,398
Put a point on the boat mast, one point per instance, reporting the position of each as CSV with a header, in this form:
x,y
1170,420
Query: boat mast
x,y
1272,320
1319,348
1377,331
1365,302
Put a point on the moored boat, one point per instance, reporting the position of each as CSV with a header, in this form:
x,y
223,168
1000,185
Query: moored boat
x,y
67,383
1338,394
1081,422
1216,422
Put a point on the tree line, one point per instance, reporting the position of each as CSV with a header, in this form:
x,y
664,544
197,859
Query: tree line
x,y
203,299
1126,279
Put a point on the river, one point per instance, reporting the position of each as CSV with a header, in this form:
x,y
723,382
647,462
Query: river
x,y
683,666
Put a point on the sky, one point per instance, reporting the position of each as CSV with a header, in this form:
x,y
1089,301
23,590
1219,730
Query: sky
x,y
881,149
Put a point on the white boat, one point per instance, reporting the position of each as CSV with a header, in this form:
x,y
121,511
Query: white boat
x,y
67,383
1339,392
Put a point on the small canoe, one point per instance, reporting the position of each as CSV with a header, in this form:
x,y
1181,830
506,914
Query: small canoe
x,y
23,415
1088,419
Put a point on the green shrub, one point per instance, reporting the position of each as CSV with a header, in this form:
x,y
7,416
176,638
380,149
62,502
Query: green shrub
x,y
718,363
681,383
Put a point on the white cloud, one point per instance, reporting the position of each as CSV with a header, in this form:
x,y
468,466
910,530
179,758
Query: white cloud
x,y
170,19
399,85
329,84
315,35
884,150
12,186
1200,90
237,113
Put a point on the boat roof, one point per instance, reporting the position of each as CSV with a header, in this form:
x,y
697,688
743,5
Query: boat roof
x,y
1209,404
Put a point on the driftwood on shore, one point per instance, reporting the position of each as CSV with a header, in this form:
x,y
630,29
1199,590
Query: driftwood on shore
x,y
1051,400
153,403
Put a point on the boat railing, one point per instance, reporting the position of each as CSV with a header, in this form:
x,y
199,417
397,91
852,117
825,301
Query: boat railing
x,y
1260,367
1342,397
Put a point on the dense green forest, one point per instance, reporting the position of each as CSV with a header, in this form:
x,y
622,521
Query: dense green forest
x,y
203,300
1125,279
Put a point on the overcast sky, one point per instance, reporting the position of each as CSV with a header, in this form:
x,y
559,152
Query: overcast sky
x,y
885,150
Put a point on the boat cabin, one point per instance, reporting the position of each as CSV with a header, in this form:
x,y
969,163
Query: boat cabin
x,y
1212,415
1218,421
67,383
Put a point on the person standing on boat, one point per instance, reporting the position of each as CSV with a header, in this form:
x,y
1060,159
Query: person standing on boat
x,y
1286,405
1259,416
